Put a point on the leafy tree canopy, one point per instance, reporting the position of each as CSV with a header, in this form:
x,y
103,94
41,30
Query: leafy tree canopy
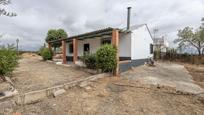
x,y
55,34
189,37
3,11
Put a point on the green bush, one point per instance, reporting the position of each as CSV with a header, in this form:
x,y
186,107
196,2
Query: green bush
x,y
157,54
90,61
40,50
46,54
8,60
106,58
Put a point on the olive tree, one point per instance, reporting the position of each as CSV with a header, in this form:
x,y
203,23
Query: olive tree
x,y
189,37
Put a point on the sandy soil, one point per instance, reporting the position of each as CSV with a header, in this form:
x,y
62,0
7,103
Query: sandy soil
x,y
34,74
197,71
113,96
4,86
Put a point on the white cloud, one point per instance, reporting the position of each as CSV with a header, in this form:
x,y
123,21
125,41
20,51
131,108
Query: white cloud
x,y
37,16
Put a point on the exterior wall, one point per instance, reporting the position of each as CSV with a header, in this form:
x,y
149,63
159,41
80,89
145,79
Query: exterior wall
x,y
124,46
94,44
140,43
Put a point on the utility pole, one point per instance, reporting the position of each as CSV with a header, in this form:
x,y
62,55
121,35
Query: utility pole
x,y
17,41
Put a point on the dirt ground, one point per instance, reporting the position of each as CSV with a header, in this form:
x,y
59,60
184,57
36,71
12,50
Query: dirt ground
x,y
136,92
197,71
164,74
113,96
34,74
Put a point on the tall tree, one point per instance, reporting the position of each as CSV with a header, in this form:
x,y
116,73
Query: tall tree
x,y
187,37
55,34
3,11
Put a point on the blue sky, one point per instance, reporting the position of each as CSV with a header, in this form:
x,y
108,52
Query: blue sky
x,y
36,17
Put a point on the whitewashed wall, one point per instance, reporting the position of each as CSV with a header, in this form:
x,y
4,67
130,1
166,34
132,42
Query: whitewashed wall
x,y
125,45
94,44
135,45
140,43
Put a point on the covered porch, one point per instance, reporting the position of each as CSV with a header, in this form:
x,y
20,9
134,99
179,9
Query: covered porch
x,y
76,46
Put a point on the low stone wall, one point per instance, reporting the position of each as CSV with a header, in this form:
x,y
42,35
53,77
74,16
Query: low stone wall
x,y
35,96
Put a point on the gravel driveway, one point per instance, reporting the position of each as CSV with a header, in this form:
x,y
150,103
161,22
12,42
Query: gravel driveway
x,y
34,74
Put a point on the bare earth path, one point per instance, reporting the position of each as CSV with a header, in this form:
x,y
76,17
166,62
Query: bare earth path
x,y
113,96
136,92
34,74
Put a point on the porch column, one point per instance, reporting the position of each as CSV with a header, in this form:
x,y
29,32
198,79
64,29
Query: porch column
x,y
115,42
64,57
50,46
75,50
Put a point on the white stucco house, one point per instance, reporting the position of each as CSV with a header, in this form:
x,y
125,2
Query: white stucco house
x,y
135,45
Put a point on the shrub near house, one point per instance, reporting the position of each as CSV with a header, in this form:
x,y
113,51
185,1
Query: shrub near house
x,y
90,61
104,59
45,53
